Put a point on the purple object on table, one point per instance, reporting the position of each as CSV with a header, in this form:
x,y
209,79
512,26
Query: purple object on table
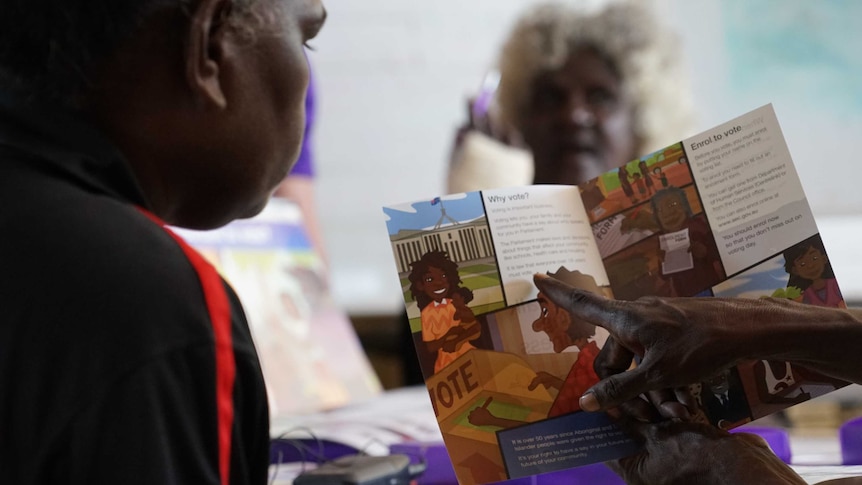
x,y
850,436
438,467
311,450
776,438
439,470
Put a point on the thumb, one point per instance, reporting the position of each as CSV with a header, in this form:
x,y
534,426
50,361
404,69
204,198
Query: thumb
x,y
614,390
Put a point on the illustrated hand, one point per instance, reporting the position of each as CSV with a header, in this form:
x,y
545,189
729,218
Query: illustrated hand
x,y
463,313
481,417
680,340
452,339
459,334
545,379
676,453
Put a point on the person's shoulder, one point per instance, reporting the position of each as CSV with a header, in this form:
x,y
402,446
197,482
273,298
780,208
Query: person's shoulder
x,y
108,235
102,289
104,260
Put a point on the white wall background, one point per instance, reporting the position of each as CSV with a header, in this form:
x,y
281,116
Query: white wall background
x,y
393,76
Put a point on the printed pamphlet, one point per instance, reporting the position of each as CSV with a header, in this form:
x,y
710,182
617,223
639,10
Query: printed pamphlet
x,y
719,214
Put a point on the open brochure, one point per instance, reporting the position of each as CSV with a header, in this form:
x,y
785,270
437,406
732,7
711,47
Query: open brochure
x,y
720,214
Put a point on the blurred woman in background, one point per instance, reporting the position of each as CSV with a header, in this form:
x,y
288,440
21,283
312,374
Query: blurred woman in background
x,y
582,91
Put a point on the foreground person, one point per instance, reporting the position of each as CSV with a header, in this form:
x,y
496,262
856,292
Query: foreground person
x,y
124,357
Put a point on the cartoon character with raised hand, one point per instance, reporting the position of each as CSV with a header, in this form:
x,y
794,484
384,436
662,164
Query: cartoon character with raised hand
x,y
448,324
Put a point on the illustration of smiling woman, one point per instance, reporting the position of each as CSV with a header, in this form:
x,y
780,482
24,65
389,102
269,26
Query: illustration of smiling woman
x,y
811,272
448,324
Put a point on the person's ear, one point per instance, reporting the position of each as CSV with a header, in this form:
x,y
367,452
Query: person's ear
x,y
205,52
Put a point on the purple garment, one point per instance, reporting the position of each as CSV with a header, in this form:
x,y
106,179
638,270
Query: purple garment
x,y
305,163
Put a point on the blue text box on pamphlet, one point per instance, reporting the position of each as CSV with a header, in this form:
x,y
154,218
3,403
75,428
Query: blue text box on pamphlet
x,y
563,442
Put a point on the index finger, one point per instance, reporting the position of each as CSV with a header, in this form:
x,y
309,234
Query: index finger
x,y
585,305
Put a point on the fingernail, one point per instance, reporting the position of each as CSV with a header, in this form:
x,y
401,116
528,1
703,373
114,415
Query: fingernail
x,y
588,402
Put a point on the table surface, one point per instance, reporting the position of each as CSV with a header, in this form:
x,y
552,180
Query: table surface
x,y
405,414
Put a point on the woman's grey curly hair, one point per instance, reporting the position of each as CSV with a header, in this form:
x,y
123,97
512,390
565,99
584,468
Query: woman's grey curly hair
x,y
643,52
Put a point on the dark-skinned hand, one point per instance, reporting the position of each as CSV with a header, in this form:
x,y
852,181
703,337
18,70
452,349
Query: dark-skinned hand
x,y
678,453
675,350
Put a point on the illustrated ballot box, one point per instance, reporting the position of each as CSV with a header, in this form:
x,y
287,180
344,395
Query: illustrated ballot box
x,y
498,381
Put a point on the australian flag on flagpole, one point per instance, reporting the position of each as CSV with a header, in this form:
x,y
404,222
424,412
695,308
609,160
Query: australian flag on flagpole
x,y
435,201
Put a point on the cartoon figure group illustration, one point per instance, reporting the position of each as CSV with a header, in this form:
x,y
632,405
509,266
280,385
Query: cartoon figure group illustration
x,y
448,324
681,257
643,179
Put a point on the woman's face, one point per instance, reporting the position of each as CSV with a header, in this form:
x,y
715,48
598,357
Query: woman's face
x,y
578,122
671,213
435,284
810,265
554,321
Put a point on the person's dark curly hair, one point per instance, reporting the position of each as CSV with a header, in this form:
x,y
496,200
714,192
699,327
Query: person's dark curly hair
x,y
440,260
51,50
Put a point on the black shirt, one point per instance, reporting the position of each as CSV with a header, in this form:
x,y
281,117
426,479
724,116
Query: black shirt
x,y
107,347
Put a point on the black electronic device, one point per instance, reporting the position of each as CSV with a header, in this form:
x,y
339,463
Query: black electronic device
x,y
362,470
